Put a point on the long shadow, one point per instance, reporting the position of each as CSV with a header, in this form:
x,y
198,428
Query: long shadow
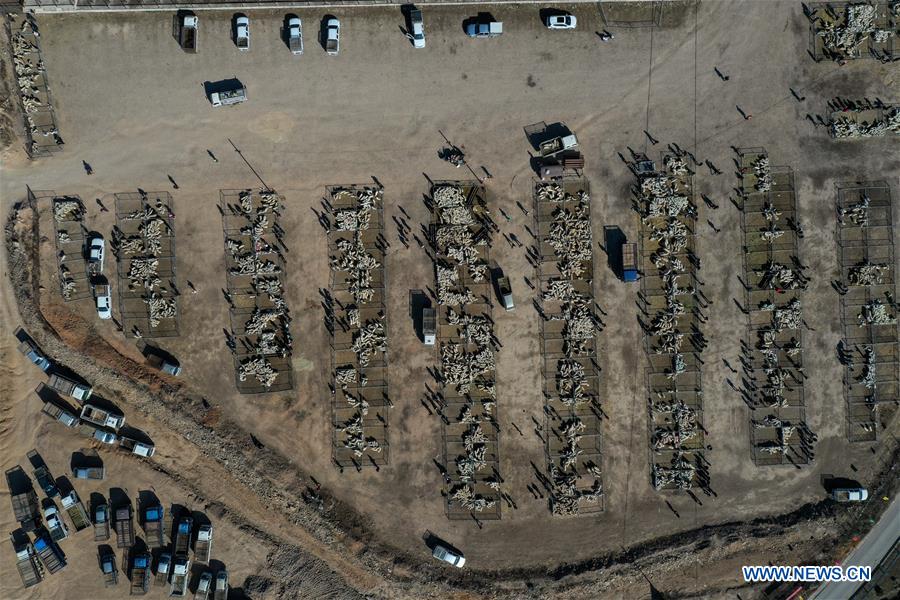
x,y
614,238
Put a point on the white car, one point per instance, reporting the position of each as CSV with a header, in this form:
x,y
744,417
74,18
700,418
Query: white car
x,y
242,33
295,35
96,252
448,556
333,37
561,22
417,35
104,306
55,525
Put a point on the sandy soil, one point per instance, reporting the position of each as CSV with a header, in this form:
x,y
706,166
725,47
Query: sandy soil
x,y
131,104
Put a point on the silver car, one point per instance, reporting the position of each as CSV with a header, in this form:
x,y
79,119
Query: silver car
x,y
448,556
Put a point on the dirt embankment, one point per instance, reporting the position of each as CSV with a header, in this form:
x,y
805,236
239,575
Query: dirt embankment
x,y
330,552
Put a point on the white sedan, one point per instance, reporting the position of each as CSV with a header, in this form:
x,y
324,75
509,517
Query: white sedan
x,y
104,307
565,21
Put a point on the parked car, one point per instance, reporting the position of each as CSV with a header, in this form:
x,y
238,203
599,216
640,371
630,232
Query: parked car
x,y
104,302
850,494
483,27
333,36
242,32
295,35
562,21
96,252
448,556
417,35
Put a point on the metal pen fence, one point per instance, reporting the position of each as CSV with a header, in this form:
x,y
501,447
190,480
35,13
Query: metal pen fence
x,y
869,350
70,237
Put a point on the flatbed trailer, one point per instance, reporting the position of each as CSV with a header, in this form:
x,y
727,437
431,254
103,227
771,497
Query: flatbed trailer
x,y
140,575
101,523
75,510
50,554
124,527
153,526
27,563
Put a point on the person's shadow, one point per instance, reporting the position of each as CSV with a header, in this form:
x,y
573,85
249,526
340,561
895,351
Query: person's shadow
x,y
87,168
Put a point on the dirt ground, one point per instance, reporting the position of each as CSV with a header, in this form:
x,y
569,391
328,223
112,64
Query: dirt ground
x,y
131,104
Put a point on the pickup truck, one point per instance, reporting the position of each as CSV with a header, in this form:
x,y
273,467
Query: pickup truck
x,y
50,554
44,478
108,568
630,262
101,417
417,26
169,366
60,414
75,509
153,526
850,494
67,387
484,28
96,254
221,592
181,572
140,574
504,293
27,562
188,34
203,546
429,326
556,145
101,523
124,527
332,36
136,447
25,506
228,97
96,433
183,535
163,568
204,585
33,353
103,300
295,35
242,33
55,524
88,472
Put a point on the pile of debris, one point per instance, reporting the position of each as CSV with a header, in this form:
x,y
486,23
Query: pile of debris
x,y
845,126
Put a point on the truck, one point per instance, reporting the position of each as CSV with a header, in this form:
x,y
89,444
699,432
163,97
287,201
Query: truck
x,y
57,413
27,563
228,97
108,568
221,592
167,365
181,572
429,326
163,568
183,535
850,494
101,522
136,447
417,28
50,554
554,146
88,472
33,353
204,585
67,387
187,33
484,26
44,478
203,547
332,36
97,433
75,509
55,525
630,262
242,33
153,526
504,293
103,300
25,506
140,574
295,35
101,417
124,527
